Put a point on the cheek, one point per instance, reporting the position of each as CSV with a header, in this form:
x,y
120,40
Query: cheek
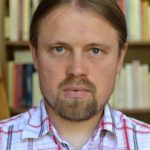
x,y
50,76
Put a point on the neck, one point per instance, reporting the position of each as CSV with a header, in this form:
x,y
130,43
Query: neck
x,y
75,133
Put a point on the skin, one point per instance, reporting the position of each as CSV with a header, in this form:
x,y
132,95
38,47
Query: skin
x,y
81,44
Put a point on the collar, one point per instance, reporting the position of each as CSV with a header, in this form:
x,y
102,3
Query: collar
x,y
108,124
38,123
108,121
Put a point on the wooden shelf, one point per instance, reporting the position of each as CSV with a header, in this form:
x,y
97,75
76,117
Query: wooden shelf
x,y
140,114
136,111
18,111
16,44
139,43
130,111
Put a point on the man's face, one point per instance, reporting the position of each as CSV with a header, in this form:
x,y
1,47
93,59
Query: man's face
x,y
77,61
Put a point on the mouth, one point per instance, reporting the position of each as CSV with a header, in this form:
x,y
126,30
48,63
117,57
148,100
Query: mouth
x,y
77,92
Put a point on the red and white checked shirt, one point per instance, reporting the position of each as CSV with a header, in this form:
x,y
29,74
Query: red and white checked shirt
x,y
33,130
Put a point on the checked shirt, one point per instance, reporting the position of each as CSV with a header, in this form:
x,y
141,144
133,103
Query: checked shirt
x,y
33,130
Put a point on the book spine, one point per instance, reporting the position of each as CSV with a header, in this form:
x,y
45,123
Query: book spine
x,y
36,90
26,19
29,72
10,90
14,20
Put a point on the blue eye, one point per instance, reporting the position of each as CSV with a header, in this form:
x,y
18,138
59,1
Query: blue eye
x,y
59,49
95,51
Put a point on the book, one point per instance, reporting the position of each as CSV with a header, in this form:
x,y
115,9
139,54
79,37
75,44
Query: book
x,y
136,83
14,20
35,3
20,12
137,14
23,56
129,86
26,19
149,21
20,20
10,65
145,20
6,27
132,89
29,70
145,86
120,91
134,19
18,85
122,4
37,96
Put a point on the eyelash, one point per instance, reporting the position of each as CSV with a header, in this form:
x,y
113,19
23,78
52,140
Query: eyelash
x,y
97,52
58,48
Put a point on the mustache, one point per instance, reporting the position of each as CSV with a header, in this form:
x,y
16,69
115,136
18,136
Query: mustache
x,y
78,81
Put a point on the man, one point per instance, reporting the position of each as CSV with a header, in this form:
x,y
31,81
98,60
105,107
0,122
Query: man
x,y
78,48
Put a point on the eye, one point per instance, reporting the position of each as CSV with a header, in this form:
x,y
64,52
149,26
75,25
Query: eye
x,y
95,51
59,49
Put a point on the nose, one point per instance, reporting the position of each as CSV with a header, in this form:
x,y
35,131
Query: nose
x,y
77,66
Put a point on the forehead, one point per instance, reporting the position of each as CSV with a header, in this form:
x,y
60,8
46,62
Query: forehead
x,y
70,21
65,11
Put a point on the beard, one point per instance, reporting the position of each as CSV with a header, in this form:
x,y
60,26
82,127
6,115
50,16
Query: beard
x,y
75,109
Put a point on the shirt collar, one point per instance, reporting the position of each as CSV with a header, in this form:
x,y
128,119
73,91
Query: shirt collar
x,y
107,124
108,121
38,123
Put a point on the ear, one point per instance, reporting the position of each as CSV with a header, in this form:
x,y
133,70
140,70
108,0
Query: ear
x,y
34,56
121,57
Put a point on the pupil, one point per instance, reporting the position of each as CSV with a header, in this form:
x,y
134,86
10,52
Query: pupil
x,y
59,49
95,50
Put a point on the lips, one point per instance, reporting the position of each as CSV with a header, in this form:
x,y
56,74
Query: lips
x,y
76,92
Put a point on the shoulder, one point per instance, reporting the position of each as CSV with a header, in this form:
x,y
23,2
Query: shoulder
x,y
135,124
130,123
17,122
131,132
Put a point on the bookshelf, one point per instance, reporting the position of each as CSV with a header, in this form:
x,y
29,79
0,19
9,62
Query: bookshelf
x,y
1,34
138,49
4,109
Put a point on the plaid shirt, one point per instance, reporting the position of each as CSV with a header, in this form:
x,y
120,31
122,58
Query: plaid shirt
x,y
33,130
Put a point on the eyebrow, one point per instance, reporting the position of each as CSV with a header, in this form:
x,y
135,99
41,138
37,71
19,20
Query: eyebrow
x,y
50,44
57,43
93,44
105,46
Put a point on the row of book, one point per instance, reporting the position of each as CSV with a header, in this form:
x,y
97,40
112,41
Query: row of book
x,y
17,20
23,86
22,81
137,14
132,89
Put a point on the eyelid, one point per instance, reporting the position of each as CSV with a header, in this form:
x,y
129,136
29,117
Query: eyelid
x,y
96,48
59,44
56,46
59,47
100,50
